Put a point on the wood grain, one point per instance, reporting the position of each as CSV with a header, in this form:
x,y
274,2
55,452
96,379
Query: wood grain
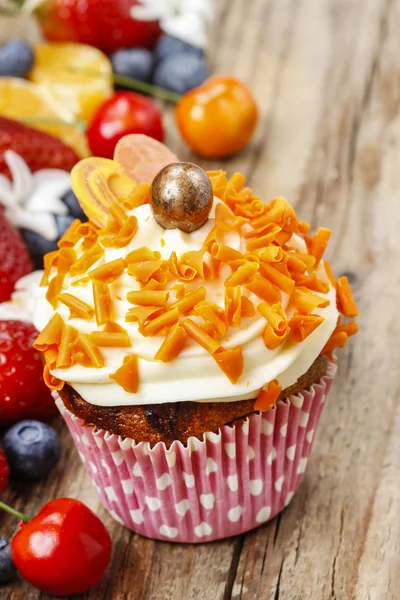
x,y
327,79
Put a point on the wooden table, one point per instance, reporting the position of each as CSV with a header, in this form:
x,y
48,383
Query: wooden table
x,y
326,74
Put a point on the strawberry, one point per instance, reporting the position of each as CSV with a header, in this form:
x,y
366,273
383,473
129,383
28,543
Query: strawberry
x,y
23,393
101,23
39,150
4,471
14,258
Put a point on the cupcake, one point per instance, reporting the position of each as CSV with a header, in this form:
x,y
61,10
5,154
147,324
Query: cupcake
x,y
188,331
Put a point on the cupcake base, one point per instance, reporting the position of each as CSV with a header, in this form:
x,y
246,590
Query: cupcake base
x,y
224,485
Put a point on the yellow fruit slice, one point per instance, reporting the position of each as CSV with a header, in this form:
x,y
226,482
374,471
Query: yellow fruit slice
x,y
77,76
97,183
29,103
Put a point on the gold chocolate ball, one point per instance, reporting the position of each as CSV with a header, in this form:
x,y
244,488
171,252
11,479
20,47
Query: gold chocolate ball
x,y
181,197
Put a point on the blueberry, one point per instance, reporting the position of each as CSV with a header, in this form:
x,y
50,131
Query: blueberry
x,y
168,45
32,449
7,567
38,246
74,208
133,62
181,72
16,59
62,223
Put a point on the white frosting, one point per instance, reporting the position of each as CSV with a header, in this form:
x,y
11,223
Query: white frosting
x,y
193,375
32,199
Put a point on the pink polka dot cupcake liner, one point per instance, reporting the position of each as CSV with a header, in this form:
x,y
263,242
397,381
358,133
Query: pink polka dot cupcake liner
x,y
223,485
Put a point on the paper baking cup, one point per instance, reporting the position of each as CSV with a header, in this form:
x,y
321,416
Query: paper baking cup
x,y
223,485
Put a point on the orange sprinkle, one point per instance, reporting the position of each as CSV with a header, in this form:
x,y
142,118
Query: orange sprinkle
x,y
345,300
108,272
117,212
247,307
200,336
277,278
168,318
78,308
329,273
224,253
179,270
52,382
242,274
54,288
140,314
127,376
213,314
274,314
269,397
148,297
274,337
86,353
139,196
173,344
230,362
233,305
190,300
51,334
313,283
88,258
50,356
102,301
194,259
126,233
108,339
66,258
306,301
301,326
349,328
49,261
143,271
71,236
337,340
141,255
270,254
319,243
263,241
264,289
64,358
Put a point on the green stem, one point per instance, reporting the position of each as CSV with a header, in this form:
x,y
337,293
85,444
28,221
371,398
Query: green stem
x,y
133,84
147,88
14,512
79,124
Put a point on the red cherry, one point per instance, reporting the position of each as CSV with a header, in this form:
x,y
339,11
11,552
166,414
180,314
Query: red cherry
x,y
123,113
64,550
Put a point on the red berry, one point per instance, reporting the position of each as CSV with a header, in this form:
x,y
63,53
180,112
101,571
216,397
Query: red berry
x,y
23,393
123,113
38,149
106,24
64,550
4,471
15,261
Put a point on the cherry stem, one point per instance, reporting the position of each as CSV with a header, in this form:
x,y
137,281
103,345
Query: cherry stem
x,y
133,84
147,88
14,512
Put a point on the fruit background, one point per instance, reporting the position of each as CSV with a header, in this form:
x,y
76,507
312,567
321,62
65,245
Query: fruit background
x,y
325,79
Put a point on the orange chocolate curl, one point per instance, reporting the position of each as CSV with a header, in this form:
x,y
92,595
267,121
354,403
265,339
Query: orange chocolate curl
x,y
230,362
108,272
173,344
51,334
345,300
102,302
148,297
301,326
127,376
200,336
78,308
268,398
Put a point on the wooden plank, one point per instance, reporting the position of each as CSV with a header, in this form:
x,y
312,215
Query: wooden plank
x,y
326,76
